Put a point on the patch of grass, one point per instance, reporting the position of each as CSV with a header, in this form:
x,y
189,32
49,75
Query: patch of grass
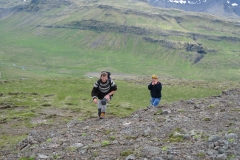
x,y
107,131
72,149
159,112
56,156
49,140
196,136
10,141
181,110
127,152
131,137
84,134
207,119
95,154
165,148
231,157
176,138
112,137
230,131
231,140
176,135
201,154
212,105
27,158
105,143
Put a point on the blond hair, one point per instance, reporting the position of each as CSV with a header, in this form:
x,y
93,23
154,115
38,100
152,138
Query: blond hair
x,y
154,76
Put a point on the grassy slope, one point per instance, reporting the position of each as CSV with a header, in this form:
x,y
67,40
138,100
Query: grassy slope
x,y
28,50
69,98
52,52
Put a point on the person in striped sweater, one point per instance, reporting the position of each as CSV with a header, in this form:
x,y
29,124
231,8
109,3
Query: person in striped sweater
x,y
102,92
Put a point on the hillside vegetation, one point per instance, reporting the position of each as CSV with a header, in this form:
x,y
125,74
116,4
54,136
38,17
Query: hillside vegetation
x,y
49,47
75,37
34,103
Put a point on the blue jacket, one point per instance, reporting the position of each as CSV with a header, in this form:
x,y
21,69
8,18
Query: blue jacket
x,y
155,90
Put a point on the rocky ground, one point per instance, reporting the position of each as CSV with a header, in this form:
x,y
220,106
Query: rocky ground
x,y
186,130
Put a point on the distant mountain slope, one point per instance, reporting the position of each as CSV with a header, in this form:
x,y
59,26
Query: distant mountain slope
x,y
227,8
74,37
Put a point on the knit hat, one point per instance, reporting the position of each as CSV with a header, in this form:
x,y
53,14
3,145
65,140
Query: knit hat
x,y
154,76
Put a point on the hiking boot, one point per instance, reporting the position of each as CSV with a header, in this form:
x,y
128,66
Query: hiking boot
x,y
99,112
102,115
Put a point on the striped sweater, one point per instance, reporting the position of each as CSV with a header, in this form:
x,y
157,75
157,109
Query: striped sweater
x,y
100,89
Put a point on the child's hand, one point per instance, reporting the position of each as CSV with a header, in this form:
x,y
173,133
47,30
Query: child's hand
x,y
95,100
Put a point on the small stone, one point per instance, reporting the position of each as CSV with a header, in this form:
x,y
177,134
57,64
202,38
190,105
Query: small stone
x,y
186,137
211,145
216,143
221,157
130,157
166,112
220,151
213,138
77,145
231,135
42,156
170,157
157,158
217,147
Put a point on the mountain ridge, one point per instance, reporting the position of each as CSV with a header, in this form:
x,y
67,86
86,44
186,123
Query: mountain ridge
x,y
227,8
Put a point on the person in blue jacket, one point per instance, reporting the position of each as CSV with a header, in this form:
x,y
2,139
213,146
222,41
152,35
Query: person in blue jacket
x,y
155,88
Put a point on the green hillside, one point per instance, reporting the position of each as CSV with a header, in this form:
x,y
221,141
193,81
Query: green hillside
x,y
55,44
77,37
